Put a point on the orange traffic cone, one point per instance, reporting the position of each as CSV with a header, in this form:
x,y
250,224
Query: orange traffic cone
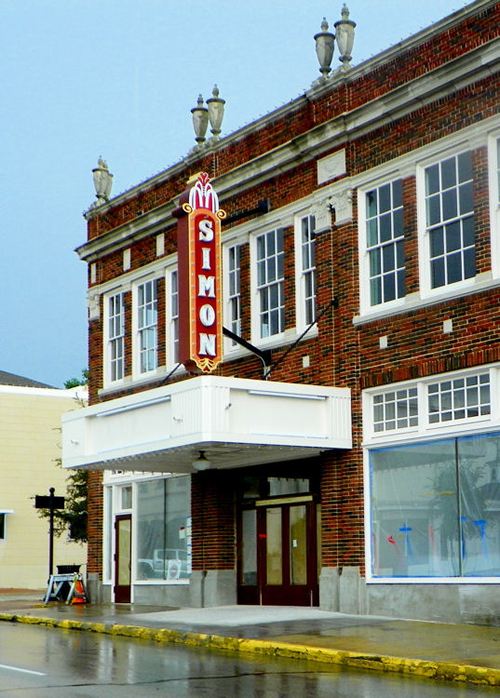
x,y
79,593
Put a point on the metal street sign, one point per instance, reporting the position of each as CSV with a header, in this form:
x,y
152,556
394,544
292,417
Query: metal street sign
x,y
48,502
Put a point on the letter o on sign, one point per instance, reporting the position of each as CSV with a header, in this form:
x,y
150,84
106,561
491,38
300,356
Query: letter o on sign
x,y
207,315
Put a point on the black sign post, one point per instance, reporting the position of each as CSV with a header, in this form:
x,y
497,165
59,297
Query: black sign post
x,y
51,503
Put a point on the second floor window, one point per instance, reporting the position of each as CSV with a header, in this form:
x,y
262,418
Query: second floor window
x,y
270,283
308,268
116,336
385,242
498,171
234,287
147,325
174,317
450,220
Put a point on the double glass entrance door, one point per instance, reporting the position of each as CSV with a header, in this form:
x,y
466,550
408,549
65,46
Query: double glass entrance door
x,y
278,553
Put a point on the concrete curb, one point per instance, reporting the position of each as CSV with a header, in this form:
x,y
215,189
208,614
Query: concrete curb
x,y
447,671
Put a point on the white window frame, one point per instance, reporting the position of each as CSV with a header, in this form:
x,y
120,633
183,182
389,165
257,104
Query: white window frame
x,y
136,329
494,191
172,316
449,391
426,289
114,483
425,429
424,432
381,245
366,305
259,289
112,339
305,253
232,285
401,397
4,513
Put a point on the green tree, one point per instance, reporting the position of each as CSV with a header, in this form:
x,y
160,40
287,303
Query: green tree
x,y
75,382
73,518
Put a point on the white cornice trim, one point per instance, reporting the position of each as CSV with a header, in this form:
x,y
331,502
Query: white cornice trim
x,y
320,139
314,92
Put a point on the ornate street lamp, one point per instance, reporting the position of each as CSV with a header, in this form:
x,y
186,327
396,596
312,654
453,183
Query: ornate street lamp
x,y
215,112
325,44
344,36
103,180
200,120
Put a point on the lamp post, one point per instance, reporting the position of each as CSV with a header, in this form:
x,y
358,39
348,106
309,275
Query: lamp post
x,y
215,112
325,45
51,503
344,35
200,120
103,180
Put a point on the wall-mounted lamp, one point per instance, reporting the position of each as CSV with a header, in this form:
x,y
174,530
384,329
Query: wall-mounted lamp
x,y
201,463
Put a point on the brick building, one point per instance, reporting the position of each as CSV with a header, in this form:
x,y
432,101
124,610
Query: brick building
x,y
353,459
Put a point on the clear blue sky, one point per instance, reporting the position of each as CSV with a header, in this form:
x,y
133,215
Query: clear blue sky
x,y
117,78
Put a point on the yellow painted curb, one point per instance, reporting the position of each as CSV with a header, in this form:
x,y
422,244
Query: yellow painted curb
x,y
417,667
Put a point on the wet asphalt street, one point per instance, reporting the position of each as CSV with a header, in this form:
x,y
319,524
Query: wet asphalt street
x,y
41,662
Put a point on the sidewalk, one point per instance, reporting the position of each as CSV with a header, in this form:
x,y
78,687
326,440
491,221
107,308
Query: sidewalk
x,y
465,653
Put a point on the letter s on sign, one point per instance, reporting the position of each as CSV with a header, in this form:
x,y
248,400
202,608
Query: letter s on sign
x,y
206,230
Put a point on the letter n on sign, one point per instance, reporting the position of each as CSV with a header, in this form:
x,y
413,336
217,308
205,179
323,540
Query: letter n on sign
x,y
200,276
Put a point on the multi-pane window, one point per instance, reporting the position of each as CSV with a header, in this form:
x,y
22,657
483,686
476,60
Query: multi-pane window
x,y
308,268
450,220
174,317
397,409
385,242
116,336
147,325
460,398
234,285
498,170
270,283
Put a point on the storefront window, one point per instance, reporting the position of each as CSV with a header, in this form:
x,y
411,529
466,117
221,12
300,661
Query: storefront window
x,y
164,529
435,508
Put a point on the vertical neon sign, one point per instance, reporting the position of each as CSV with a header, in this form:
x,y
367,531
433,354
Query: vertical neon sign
x,y
200,276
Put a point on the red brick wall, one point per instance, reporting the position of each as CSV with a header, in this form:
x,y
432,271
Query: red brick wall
x,y
95,523
343,354
213,519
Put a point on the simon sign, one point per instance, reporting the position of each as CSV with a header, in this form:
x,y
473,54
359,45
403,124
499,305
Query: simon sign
x,y
200,276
